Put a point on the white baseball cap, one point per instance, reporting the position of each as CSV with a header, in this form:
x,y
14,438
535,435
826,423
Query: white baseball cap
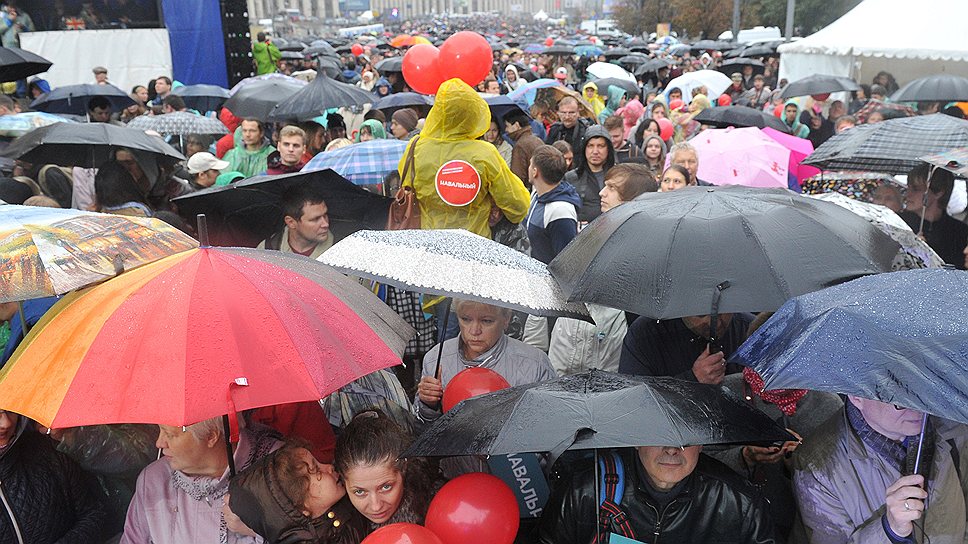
x,y
203,162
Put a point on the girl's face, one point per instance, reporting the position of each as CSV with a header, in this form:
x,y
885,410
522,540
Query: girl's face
x,y
671,181
376,491
493,134
653,149
658,113
365,135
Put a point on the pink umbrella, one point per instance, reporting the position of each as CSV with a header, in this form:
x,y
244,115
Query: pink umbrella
x,y
800,148
741,156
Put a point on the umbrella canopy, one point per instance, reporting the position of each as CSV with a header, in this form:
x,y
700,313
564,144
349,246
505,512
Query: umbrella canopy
x,y
502,105
393,102
715,82
52,251
320,95
167,342
265,77
453,263
914,252
888,110
529,91
602,70
630,87
760,50
739,116
736,65
800,148
892,146
711,45
653,65
588,50
818,84
954,161
249,211
73,99
596,409
19,124
852,184
741,156
365,163
292,55
178,123
616,53
633,60
769,244
934,88
258,98
392,64
533,48
559,50
17,64
898,338
202,97
87,145
290,46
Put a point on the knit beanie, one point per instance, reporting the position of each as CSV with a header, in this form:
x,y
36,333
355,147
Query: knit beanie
x,y
406,117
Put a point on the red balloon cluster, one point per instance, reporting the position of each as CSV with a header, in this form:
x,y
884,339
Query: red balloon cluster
x,y
465,55
402,533
357,49
474,507
472,382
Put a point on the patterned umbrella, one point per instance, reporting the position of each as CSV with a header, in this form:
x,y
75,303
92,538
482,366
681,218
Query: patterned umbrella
x,y
955,161
51,251
453,263
891,146
889,110
178,123
19,124
365,163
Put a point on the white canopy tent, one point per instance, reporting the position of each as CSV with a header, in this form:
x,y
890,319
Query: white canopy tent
x,y
907,39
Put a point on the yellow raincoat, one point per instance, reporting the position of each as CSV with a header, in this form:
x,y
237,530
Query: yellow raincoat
x,y
459,117
596,101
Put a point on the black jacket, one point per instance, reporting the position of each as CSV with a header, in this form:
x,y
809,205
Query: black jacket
x,y
52,499
574,136
715,505
582,178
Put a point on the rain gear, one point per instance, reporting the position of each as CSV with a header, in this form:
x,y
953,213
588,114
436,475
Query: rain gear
x,y
452,131
266,56
615,95
512,85
596,102
588,183
630,114
797,128
250,163
376,129
383,83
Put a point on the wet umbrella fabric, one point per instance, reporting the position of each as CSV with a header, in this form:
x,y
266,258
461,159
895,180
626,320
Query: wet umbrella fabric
x,y
453,263
736,65
616,53
396,101
770,244
741,156
52,251
392,64
168,342
596,409
249,211
893,146
365,163
17,64
258,98
934,88
602,70
18,124
322,94
73,99
502,105
87,145
624,84
178,123
818,84
652,66
266,77
202,97
559,50
900,338
954,161
715,82
739,116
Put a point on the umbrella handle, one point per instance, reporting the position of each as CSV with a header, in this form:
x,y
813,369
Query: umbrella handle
x,y
202,223
226,429
440,351
714,316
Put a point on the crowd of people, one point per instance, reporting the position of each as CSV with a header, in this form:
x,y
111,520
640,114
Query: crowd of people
x,y
546,170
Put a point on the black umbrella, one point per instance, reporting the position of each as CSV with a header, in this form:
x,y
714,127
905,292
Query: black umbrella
x,y
249,211
633,60
321,48
392,64
893,146
293,45
818,84
74,98
256,99
736,65
292,55
616,53
393,102
596,409
934,88
560,50
202,97
501,105
87,145
17,64
330,66
498,46
640,49
629,87
749,249
739,116
321,94
760,50
711,45
653,65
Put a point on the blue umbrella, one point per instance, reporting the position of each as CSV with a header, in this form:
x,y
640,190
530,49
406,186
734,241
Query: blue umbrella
x,y
900,338
502,105
533,48
365,163
529,91
588,50
393,102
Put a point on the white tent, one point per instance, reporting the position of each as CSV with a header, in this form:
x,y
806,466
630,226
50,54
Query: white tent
x,y
908,39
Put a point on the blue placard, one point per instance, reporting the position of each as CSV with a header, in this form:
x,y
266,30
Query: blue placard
x,y
522,473
619,539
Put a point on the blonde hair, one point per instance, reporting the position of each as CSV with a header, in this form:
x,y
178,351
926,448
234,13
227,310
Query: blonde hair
x,y
338,143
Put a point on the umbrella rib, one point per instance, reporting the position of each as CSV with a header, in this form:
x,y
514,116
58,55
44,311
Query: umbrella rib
x,y
667,415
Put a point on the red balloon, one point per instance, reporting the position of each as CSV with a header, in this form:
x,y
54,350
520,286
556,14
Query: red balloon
x,y
402,533
466,55
724,100
474,507
549,42
778,110
472,382
665,129
421,68
676,104
357,49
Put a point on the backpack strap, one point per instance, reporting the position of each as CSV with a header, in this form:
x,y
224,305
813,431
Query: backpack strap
x,y
612,517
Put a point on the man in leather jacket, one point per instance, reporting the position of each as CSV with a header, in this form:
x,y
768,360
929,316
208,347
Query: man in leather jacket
x,y
671,494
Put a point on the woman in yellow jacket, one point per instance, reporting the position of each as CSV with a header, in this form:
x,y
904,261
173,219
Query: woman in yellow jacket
x,y
457,176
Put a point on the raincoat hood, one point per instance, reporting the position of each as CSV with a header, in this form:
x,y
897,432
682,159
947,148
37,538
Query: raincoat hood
x,y
382,82
699,103
586,86
376,129
796,127
563,192
594,131
615,94
513,68
459,113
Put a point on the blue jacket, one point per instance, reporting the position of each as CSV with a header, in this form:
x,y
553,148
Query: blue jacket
x,y
552,221
34,309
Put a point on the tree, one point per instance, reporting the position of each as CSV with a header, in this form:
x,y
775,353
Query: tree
x,y
706,18
637,17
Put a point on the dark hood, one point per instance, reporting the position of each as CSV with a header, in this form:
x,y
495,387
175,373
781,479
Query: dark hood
x,y
258,499
594,131
22,423
563,192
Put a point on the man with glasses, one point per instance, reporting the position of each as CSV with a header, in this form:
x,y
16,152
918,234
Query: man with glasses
x,y
570,126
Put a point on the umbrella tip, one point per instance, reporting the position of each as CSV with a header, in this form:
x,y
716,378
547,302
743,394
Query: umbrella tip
x,y
202,230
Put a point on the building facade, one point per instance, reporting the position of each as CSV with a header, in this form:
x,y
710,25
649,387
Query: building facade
x,y
330,9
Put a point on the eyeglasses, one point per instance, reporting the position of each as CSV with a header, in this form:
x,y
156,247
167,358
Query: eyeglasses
x,y
567,112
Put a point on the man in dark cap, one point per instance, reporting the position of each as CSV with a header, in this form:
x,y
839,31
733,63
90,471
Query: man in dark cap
x,y
403,123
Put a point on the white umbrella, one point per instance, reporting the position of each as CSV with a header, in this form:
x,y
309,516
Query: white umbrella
x,y
454,263
602,70
715,82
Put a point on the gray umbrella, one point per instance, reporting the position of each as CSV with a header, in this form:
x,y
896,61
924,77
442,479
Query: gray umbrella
x,y
257,98
178,123
453,263
934,88
818,84
320,95
87,145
